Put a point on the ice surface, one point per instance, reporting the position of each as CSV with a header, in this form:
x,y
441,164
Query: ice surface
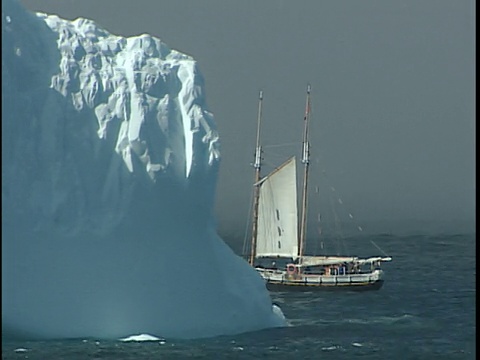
x,y
109,165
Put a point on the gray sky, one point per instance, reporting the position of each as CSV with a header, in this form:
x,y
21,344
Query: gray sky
x,y
393,96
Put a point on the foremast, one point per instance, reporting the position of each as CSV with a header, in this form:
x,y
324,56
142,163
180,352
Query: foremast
x,y
256,186
305,162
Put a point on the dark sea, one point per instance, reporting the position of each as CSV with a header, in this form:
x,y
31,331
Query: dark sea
x,y
425,310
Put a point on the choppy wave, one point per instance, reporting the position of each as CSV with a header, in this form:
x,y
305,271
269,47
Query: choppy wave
x,y
407,318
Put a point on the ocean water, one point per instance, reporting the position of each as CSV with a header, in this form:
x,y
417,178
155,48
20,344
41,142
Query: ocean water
x,y
425,310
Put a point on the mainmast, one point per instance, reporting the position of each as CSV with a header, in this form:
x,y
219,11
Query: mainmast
x,y
305,162
257,165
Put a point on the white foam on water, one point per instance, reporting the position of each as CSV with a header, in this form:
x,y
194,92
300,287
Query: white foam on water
x,y
331,348
142,337
278,312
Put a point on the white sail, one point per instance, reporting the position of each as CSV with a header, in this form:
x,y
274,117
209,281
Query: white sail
x,y
277,213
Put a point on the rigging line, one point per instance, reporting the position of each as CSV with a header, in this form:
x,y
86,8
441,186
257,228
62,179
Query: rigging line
x,y
344,208
276,150
280,145
338,228
319,225
329,226
276,155
379,248
247,225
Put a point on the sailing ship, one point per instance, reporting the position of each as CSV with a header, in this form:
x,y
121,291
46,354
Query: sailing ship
x,y
277,248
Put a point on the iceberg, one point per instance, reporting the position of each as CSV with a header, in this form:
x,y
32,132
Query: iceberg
x,y
110,159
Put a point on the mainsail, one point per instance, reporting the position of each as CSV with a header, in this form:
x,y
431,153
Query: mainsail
x,y
277,213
